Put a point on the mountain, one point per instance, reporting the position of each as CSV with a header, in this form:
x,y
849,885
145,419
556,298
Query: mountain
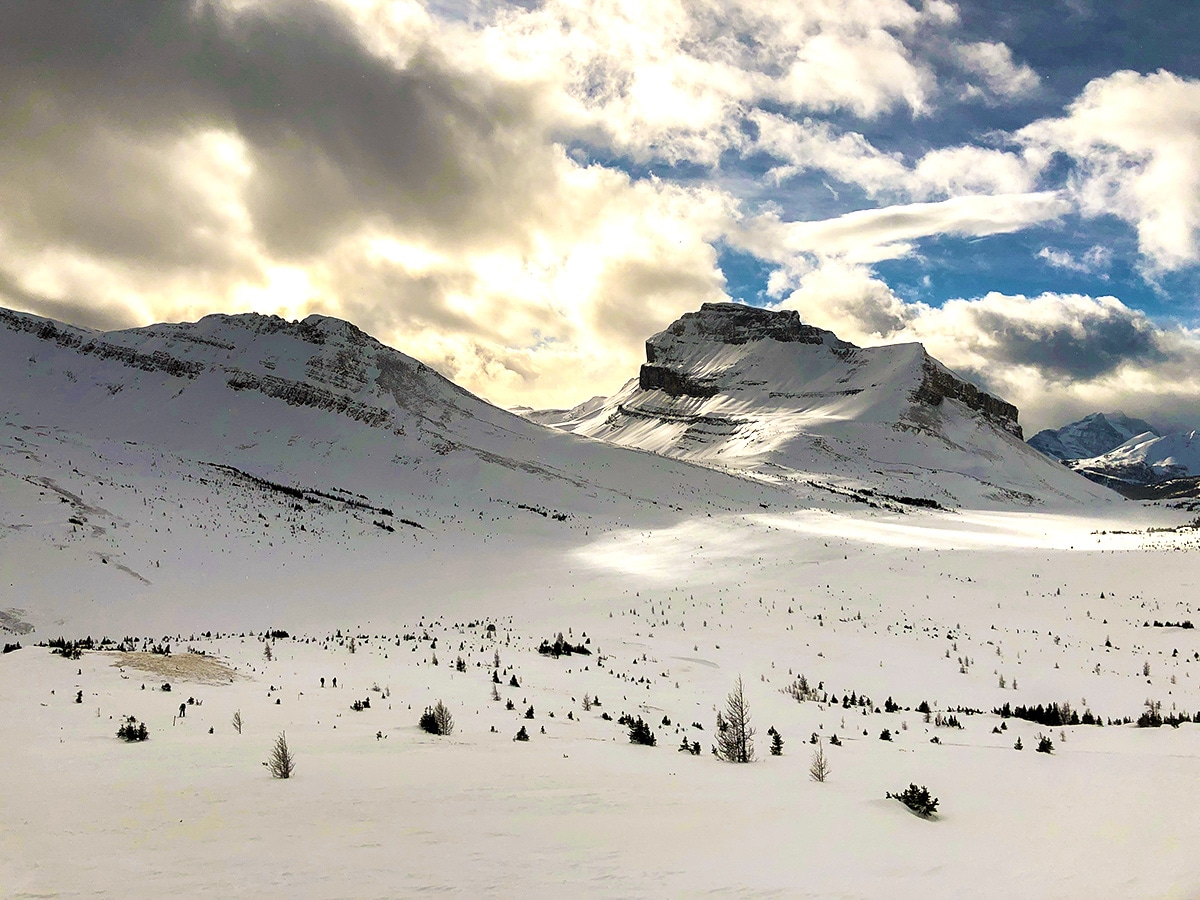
x,y
763,394
315,400
1170,464
1090,436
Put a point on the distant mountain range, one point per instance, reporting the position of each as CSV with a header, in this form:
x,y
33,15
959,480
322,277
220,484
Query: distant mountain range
x,y
1090,436
1128,455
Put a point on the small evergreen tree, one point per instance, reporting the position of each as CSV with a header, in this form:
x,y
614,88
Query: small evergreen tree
x,y
776,742
133,731
1045,745
917,799
818,769
641,733
237,721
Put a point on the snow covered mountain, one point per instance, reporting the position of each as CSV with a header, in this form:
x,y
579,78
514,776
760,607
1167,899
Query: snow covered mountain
x,y
761,393
316,401
1091,436
1146,459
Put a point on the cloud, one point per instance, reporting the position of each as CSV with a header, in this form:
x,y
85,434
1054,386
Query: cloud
x,y
872,235
1093,262
1056,356
1135,142
994,63
807,145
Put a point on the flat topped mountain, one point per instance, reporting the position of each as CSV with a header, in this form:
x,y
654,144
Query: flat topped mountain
x,y
762,393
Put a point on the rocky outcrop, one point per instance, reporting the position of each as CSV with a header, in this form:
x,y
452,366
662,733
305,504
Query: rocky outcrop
x,y
653,377
938,384
299,393
733,323
81,342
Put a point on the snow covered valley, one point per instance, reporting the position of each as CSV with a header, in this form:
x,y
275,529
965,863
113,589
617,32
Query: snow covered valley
x,y
396,534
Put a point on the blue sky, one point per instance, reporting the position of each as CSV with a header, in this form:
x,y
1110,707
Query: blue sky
x,y
520,193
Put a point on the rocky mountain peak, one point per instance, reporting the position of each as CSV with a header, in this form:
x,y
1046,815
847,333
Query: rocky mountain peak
x,y
736,323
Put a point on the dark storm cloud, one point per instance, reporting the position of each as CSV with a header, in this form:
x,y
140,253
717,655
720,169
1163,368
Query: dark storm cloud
x,y
1089,345
83,315
95,91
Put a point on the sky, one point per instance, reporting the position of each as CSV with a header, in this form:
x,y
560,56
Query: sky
x,y
520,193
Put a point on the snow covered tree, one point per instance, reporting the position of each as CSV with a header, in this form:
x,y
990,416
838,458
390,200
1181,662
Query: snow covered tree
x,y
735,742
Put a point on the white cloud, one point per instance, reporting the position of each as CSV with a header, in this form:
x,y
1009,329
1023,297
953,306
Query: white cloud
x,y
993,62
1136,143
872,235
808,145
1092,262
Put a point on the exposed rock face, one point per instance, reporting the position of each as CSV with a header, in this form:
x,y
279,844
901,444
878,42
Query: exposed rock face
x,y
733,323
82,342
677,384
718,323
938,384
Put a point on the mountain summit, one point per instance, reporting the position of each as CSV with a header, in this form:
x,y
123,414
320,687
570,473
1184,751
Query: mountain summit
x,y
761,393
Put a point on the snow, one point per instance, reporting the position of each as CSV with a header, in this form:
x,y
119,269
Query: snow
x,y
132,512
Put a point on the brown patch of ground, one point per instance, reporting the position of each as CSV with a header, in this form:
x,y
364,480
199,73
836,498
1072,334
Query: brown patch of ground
x,y
179,666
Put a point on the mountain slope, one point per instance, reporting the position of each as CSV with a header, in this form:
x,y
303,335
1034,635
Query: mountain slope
x,y
1090,436
759,392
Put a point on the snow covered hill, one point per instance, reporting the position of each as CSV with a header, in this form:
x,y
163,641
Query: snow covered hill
x,y
1091,436
759,392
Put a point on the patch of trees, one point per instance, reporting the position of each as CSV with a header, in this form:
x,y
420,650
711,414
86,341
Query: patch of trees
x,y
544,513
437,719
562,647
1186,623
1153,717
132,731
10,648
1051,715
640,732
918,799
70,649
